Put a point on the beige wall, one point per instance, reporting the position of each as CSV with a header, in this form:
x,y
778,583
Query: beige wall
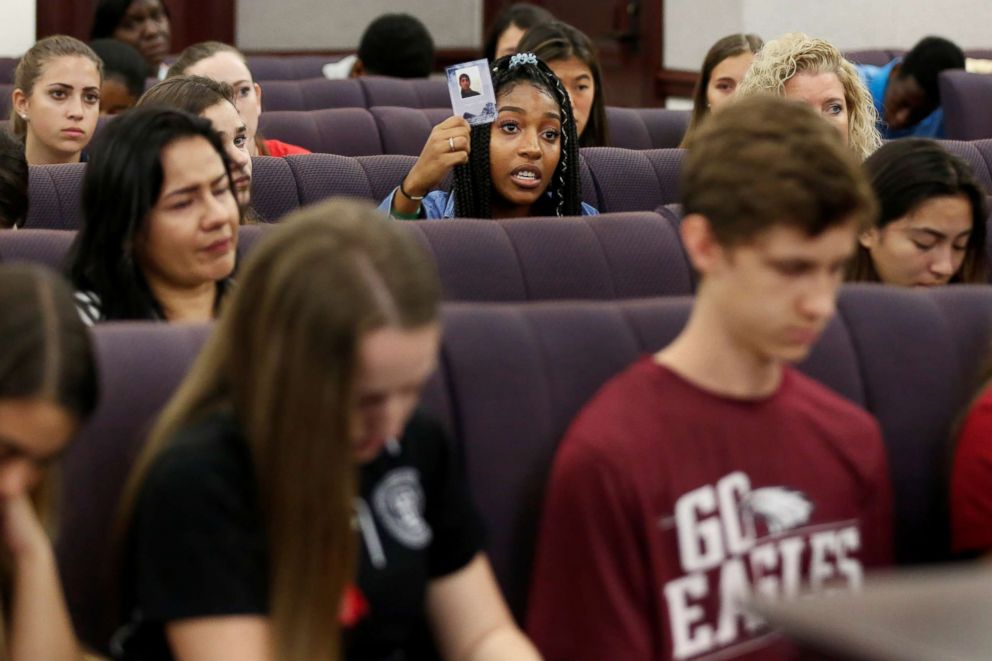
x,y
691,26
300,25
17,27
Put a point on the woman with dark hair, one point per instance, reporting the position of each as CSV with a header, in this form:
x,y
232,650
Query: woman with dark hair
x,y
160,221
509,27
572,56
931,224
284,498
525,163
48,388
144,24
724,68
211,100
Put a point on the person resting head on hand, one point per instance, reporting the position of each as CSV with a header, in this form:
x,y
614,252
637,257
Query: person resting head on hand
x,y
160,221
930,229
525,163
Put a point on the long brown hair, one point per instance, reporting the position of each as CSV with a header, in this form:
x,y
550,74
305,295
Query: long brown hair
x,y
729,46
33,62
283,359
46,355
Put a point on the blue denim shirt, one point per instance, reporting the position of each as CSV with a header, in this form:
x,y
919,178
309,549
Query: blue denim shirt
x,y
877,80
439,205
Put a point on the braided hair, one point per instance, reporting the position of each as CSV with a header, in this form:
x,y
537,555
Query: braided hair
x,y
473,186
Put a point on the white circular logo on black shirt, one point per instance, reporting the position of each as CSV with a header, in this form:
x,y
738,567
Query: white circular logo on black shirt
x,y
399,503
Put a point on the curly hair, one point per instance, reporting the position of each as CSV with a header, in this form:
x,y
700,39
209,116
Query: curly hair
x,y
473,185
795,52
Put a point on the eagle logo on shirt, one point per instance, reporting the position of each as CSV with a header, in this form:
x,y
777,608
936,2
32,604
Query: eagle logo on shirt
x,y
780,508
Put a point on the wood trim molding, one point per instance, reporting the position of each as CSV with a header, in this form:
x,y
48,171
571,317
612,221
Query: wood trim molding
x,y
674,82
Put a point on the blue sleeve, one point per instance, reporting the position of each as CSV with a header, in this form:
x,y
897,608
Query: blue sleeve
x,y
589,210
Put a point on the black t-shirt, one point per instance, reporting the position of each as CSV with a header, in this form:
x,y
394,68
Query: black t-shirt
x,y
197,546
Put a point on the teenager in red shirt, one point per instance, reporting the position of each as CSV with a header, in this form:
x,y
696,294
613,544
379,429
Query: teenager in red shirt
x,y
712,470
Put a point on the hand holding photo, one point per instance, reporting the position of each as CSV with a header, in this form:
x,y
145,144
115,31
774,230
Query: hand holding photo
x,y
471,89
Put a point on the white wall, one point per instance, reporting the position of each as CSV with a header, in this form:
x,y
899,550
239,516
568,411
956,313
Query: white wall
x,y
300,25
691,26
17,28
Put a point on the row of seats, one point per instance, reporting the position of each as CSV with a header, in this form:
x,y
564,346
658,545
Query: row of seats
x,y
396,130
882,56
613,180
966,99
613,256
509,405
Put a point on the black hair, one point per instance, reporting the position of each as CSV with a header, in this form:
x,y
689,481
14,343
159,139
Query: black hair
x,y
927,59
122,61
473,186
107,16
906,173
556,40
13,181
397,45
121,185
522,14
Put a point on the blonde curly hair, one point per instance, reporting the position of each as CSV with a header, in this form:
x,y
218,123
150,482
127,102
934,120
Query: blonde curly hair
x,y
796,52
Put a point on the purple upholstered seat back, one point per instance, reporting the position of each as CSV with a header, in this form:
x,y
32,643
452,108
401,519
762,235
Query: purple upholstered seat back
x,y
646,128
629,180
966,99
5,91
345,131
287,67
614,256
314,94
409,93
48,247
405,130
54,194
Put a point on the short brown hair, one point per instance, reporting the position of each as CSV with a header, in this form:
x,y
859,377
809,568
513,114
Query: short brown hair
x,y
194,94
770,161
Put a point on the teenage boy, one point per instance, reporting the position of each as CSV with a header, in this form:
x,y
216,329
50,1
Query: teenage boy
x,y
906,93
712,470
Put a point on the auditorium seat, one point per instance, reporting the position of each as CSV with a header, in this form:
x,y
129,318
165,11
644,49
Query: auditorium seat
x,y
344,131
646,128
288,67
405,130
406,92
966,99
314,94
54,196
515,375
6,89
875,56
628,180
48,247
977,154
7,67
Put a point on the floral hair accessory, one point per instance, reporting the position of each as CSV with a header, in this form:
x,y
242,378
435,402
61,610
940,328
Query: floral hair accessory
x,y
522,58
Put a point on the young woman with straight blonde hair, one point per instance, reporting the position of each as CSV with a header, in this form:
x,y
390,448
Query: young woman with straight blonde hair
x,y
294,430
812,70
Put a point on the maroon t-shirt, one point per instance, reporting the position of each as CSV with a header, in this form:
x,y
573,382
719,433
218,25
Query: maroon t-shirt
x,y
668,504
971,481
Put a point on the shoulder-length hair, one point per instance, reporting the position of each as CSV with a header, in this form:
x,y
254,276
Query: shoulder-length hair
x,y
473,186
782,58
906,173
122,184
556,40
323,279
524,15
729,46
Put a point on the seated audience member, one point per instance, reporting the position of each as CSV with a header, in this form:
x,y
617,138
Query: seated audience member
x,y
226,64
123,75
906,93
971,477
144,24
526,163
13,182
396,45
160,221
713,470
48,388
811,70
723,70
572,56
930,229
509,27
338,310
56,100
211,100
